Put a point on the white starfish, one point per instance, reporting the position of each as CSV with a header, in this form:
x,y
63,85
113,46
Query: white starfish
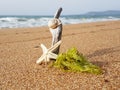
x,y
48,53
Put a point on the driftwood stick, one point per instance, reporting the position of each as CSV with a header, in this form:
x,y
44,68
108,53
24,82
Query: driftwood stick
x,y
57,38
57,14
55,27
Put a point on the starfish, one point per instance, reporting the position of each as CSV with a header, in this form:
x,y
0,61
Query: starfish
x,y
48,53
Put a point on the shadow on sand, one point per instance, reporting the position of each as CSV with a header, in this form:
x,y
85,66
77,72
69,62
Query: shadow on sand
x,y
102,52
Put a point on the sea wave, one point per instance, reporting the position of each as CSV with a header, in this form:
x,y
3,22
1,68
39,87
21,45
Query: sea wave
x,y
36,21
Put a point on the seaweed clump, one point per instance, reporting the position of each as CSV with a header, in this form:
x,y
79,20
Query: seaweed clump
x,y
74,61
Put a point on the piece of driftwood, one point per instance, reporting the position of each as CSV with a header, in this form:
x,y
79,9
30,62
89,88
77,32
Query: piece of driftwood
x,y
57,14
55,27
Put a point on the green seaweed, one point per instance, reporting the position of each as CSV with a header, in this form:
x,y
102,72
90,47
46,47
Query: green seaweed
x,y
74,61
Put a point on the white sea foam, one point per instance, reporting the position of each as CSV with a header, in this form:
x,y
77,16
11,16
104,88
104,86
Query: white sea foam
x,y
33,21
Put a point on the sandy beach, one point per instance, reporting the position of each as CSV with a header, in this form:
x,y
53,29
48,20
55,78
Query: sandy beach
x,y
19,50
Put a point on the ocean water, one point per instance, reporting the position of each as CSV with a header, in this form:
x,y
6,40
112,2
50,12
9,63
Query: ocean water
x,y
38,21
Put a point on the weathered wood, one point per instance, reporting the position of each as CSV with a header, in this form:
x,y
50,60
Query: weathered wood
x,y
55,27
57,38
57,32
57,14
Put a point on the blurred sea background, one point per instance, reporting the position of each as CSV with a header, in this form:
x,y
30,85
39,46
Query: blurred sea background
x,y
22,21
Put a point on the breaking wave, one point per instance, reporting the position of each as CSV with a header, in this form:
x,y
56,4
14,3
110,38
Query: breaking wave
x,y
38,21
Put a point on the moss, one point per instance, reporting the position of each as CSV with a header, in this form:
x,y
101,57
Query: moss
x,y
74,61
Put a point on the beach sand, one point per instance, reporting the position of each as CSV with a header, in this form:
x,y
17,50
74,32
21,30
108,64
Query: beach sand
x,y
19,50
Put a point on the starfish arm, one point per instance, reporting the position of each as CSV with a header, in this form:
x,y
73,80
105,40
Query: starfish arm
x,y
39,61
54,46
44,49
47,53
52,55
47,58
